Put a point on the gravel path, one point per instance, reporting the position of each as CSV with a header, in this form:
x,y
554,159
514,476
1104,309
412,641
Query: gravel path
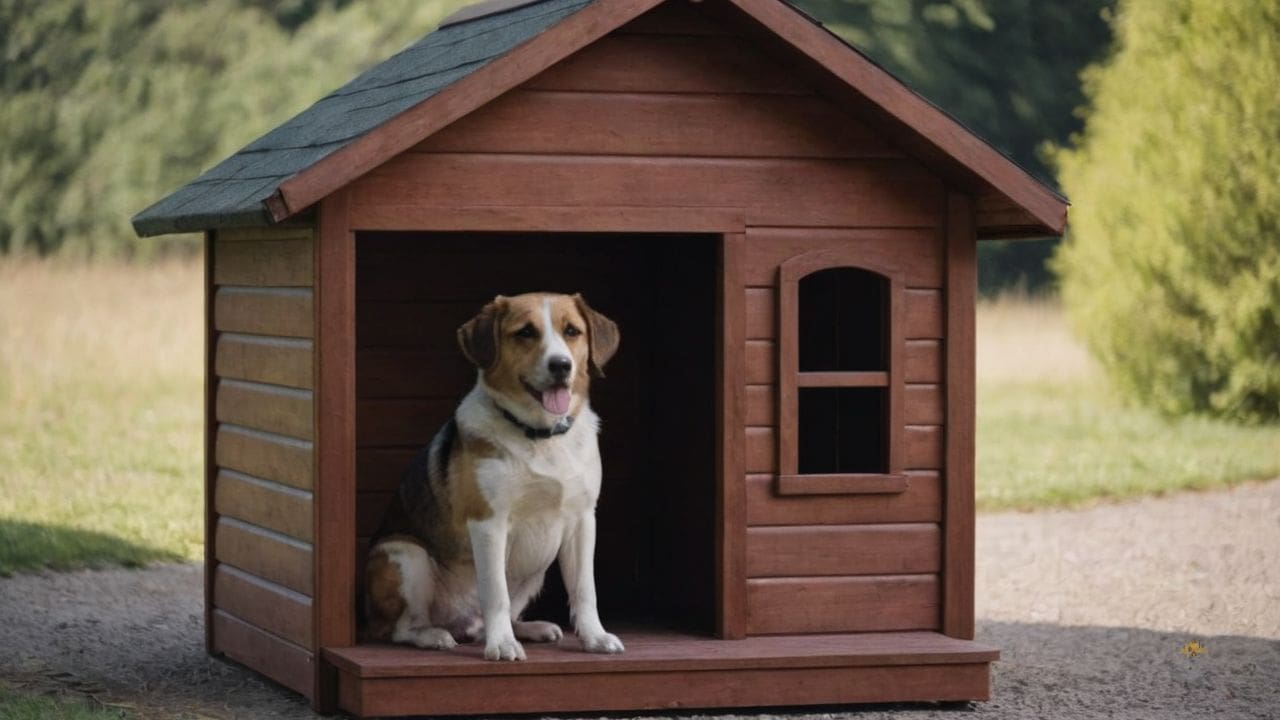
x,y
1089,607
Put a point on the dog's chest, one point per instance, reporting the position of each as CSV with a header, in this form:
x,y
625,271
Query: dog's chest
x,y
553,479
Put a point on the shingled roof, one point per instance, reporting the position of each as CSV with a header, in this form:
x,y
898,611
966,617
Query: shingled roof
x,y
233,193
471,55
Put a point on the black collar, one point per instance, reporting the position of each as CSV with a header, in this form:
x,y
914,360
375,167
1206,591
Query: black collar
x,y
534,433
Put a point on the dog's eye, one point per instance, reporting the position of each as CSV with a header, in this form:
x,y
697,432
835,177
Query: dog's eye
x,y
572,331
527,332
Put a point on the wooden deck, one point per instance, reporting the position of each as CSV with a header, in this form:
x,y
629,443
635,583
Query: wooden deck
x,y
657,672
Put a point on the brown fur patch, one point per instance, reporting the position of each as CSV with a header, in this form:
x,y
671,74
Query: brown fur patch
x,y
384,604
468,501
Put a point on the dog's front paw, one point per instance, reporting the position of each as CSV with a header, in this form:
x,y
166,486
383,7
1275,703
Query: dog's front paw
x,y
604,642
538,631
507,648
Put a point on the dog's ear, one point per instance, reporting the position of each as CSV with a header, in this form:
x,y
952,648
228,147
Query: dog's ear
x,y
478,337
602,336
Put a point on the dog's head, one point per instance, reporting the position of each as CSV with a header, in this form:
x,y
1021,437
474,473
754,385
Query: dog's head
x,y
538,350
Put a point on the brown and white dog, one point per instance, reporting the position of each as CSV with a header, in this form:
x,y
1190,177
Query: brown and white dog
x,y
508,485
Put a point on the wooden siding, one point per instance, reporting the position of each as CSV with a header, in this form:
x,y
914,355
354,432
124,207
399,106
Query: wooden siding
x,y
261,460
661,116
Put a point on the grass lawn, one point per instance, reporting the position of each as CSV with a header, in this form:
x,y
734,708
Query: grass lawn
x,y
101,443
26,706
1051,434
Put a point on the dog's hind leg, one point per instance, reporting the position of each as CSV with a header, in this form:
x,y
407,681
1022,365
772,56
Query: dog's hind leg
x,y
400,579
531,630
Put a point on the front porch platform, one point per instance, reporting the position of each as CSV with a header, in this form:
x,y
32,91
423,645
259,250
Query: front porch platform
x,y
664,670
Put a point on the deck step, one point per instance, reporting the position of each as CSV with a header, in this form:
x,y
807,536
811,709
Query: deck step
x,y
667,652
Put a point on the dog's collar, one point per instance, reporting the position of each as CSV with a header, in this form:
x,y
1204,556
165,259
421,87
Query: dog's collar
x,y
534,433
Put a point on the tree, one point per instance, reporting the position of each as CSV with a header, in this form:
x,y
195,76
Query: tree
x,y
1172,269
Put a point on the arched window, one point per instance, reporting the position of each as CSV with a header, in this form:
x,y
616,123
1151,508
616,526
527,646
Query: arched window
x,y
839,382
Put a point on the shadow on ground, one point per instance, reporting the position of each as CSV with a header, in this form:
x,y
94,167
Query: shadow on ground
x,y
137,638
27,546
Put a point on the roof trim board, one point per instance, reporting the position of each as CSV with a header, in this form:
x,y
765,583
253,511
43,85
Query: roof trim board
x,y
418,122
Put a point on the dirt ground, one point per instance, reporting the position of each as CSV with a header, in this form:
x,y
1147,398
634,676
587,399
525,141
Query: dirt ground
x,y
1090,609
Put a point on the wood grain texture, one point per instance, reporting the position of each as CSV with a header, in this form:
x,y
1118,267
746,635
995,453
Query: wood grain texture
x,y
923,404
842,604
334,572
922,361
271,408
920,502
803,192
922,448
209,429
278,659
267,554
958,507
272,457
941,134
400,422
265,262
660,124
916,251
842,484
278,361
263,604
671,64
761,358
546,218
924,314
283,312
265,504
731,402
338,169
380,469
887,549
653,690
672,651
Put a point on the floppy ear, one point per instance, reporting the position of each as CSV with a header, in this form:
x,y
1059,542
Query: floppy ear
x,y
602,336
478,337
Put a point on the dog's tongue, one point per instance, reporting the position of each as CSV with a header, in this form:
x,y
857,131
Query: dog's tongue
x,y
556,400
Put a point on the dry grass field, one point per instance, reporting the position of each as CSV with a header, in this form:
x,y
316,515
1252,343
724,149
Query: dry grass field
x,y
100,412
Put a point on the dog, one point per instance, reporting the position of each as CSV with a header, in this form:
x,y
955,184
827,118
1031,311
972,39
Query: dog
x,y
505,488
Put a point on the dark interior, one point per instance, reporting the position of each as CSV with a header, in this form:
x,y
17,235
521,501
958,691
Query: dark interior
x,y
843,327
655,563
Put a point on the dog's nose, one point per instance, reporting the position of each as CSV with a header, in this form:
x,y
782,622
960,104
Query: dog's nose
x,y
559,365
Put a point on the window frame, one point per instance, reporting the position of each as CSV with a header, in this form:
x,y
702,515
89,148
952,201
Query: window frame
x,y
790,379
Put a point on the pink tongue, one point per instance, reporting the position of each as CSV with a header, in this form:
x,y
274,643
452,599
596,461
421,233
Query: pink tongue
x,y
556,400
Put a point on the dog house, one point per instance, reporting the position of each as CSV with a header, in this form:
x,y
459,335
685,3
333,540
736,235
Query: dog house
x,y
786,236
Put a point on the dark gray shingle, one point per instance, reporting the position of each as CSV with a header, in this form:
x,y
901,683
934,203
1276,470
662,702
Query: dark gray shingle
x,y
232,192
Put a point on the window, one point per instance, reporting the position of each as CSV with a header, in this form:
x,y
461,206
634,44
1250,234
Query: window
x,y
839,384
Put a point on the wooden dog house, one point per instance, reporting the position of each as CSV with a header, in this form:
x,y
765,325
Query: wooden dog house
x,y
786,236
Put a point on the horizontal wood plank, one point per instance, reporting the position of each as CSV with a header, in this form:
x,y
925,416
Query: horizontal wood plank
x,y
370,508
381,469
924,313
842,379
278,361
389,422
923,404
660,124
545,218
263,455
285,312
269,555
922,362
280,660
274,608
674,19
799,192
272,408
842,604
920,502
889,549
268,263
917,251
761,308
637,63
266,504
661,690
923,448
842,484
761,359
397,373
665,650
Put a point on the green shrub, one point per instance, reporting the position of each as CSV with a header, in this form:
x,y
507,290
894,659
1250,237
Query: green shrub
x,y
1172,268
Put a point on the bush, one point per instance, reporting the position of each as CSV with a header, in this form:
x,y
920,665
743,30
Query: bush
x,y
1171,271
